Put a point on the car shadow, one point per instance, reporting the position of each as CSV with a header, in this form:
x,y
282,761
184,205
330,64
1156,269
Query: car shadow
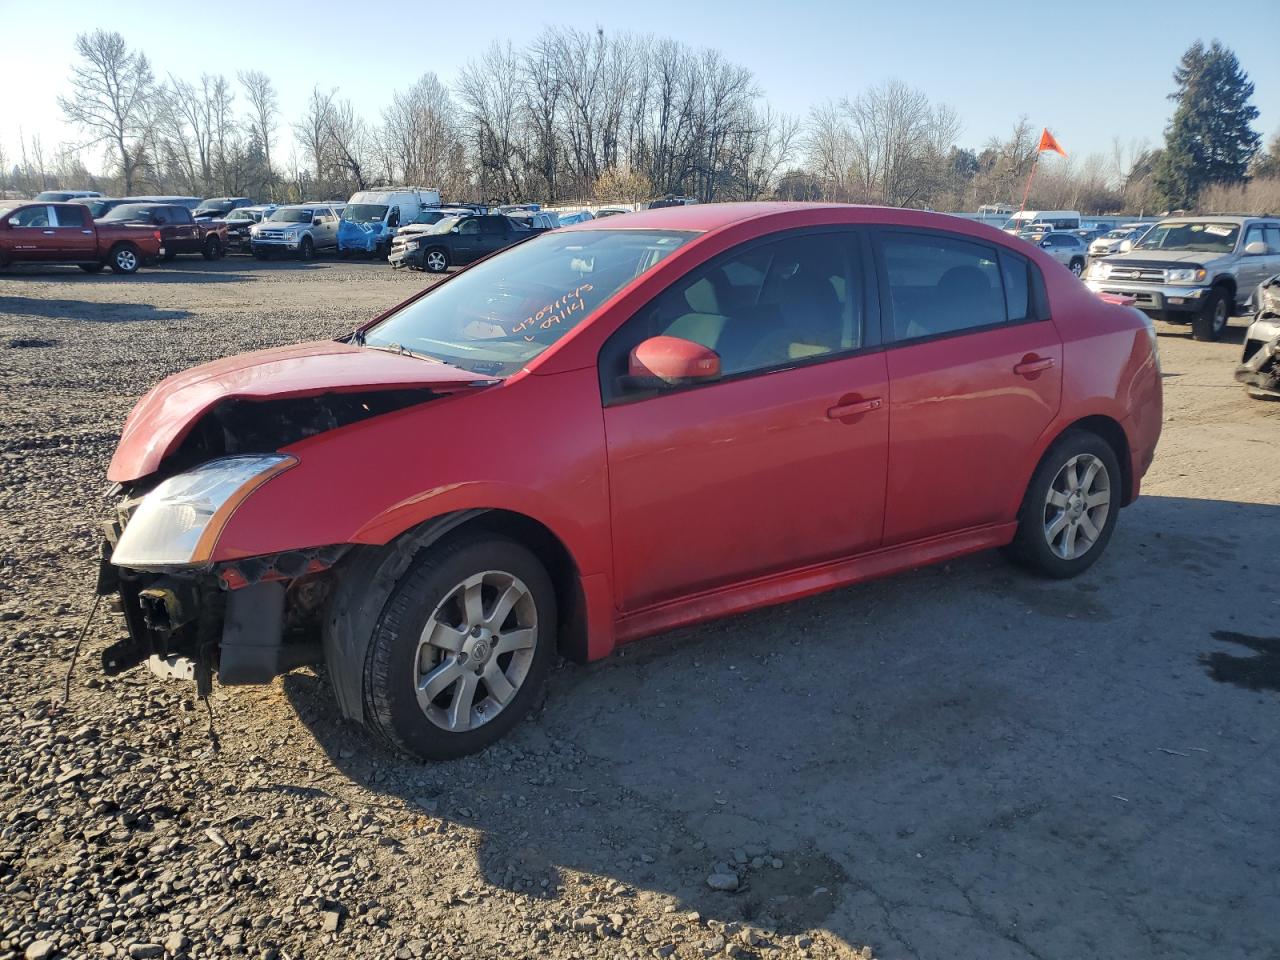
x,y
962,753
1234,333
87,311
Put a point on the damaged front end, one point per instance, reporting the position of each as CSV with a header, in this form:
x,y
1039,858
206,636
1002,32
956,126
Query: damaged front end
x,y
1259,369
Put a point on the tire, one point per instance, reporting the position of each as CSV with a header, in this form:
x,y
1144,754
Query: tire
x,y
307,249
465,652
1208,325
124,259
1077,266
1045,542
93,267
260,254
212,249
435,260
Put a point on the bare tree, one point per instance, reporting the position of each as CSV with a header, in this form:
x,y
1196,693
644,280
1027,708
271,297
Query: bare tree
x,y
109,91
264,110
418,133
350,145
312,131
491,96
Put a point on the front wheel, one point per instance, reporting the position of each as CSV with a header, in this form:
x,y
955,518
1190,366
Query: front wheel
x,y
436,260
461,649
1070,508
307,250
124,259
1211,321
212,249
1077,266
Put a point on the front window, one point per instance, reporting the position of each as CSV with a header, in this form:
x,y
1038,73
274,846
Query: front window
x,y
498,315
365,212
291,216
1201,236
130,211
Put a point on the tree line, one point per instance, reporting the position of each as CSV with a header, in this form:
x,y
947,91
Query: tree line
x,y
579,115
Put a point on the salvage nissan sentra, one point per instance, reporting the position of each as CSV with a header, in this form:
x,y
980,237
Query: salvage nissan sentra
x,y
616,429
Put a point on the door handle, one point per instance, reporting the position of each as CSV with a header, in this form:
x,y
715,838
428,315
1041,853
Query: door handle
x,y
87,233
48,233
1032,365
854,409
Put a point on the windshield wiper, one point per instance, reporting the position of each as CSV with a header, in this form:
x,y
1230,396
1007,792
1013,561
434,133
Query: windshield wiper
x,y
402,350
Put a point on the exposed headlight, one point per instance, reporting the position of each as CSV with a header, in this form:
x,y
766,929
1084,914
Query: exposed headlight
x,y
1100,270
1186,275
178,522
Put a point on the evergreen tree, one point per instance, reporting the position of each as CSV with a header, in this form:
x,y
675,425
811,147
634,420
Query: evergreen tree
x,y
1209,139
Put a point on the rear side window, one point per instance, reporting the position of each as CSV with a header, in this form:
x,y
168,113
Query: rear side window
x,y
71,216
940,285
1016,271
1273,238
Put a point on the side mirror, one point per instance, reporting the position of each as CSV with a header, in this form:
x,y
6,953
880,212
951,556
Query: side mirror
x,y
1126,246
673,361
455,230
1256,249
1044,243
316,221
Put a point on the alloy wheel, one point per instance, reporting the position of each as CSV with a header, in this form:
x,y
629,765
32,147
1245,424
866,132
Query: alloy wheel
x,y
436,261
475,651
127,261
1076,506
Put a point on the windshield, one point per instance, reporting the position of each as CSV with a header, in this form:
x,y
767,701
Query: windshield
x,y
242,214
1200,236
291,216
215,206
130,211
365,212
498,315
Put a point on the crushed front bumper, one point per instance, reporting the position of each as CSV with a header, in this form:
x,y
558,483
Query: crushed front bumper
x,y
1259,368
405,256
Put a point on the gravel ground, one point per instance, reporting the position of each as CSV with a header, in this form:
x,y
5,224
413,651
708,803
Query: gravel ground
x,y
956,763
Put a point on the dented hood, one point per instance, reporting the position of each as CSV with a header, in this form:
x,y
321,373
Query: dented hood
x,y
166,415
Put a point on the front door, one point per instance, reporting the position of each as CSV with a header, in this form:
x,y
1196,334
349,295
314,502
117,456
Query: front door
x,y
32,233
468,242
779,464
976,376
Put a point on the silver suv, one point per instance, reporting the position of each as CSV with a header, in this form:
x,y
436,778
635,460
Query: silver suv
x,y
301,230
1196,270
1067,248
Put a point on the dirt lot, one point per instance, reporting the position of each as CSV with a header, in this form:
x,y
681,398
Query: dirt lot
x,y
958,763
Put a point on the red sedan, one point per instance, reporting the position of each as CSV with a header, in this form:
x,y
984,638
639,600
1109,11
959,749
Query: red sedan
x,y
613,430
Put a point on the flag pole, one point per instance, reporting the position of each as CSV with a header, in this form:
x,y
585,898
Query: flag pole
x,y
1027,190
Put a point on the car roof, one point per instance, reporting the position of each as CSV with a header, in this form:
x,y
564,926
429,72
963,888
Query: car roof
x,y
1214,218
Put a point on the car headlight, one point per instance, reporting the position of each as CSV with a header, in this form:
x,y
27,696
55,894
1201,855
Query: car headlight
x,y
1186,275
178,522
1100,270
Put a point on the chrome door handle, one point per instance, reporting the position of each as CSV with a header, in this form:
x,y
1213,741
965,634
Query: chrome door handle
x,y
48,233
87,233
854,409
1030,366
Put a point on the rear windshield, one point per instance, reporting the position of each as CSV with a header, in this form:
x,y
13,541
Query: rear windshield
x,y
365,212
498,315
1199,237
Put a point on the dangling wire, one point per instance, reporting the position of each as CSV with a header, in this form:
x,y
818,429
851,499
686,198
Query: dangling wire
x,y
75,653
213,734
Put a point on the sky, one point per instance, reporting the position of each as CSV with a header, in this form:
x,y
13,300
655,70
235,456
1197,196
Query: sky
x,y
1089,71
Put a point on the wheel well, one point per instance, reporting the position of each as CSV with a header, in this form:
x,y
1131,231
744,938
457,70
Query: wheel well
x,y
1228,283
1111,431
546,546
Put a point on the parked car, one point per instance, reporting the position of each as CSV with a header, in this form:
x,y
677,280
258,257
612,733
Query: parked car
x,y
1068,249
217,208
1110,241
610,212
61,196
100,206
239,221
580,216
182,233
536,221
1259,368
1051,219
467,240
189,202
612,431
300,230
33,232
670,201
1196,270
372,217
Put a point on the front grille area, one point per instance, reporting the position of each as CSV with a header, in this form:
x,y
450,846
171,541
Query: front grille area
x,y
1136,272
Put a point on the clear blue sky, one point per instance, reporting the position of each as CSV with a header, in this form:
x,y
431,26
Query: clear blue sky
x,y
1090,71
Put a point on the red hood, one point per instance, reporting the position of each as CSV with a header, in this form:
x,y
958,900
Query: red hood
x,y
164,416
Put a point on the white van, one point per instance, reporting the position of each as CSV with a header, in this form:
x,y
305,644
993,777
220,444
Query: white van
x,y
1056,219
372,217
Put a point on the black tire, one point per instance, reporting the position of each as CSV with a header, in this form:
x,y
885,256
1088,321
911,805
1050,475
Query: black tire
x,y
435,260
1032,547
391,667
1210,323
212,249
124,259
307,249
93,267
260,254
1077,266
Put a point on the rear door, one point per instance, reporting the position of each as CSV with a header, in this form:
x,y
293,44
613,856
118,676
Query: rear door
x,y
975,369
32,233
73,233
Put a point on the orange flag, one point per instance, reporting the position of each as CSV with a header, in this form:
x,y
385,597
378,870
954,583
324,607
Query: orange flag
x,y
1048,143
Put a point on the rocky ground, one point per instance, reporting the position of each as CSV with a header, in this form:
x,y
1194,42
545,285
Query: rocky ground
x,y
955,763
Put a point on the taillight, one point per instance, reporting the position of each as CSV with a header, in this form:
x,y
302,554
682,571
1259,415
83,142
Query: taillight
x,y
156,234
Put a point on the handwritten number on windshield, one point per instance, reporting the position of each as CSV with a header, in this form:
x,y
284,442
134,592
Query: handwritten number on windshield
x,y
555,312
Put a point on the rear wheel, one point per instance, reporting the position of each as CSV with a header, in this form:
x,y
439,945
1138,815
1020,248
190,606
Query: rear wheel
x,y
461,648
124,258
212,249
1211,321
1070,508
436,260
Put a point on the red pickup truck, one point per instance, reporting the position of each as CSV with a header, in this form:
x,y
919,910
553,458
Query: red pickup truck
x,y
65,233
181,232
